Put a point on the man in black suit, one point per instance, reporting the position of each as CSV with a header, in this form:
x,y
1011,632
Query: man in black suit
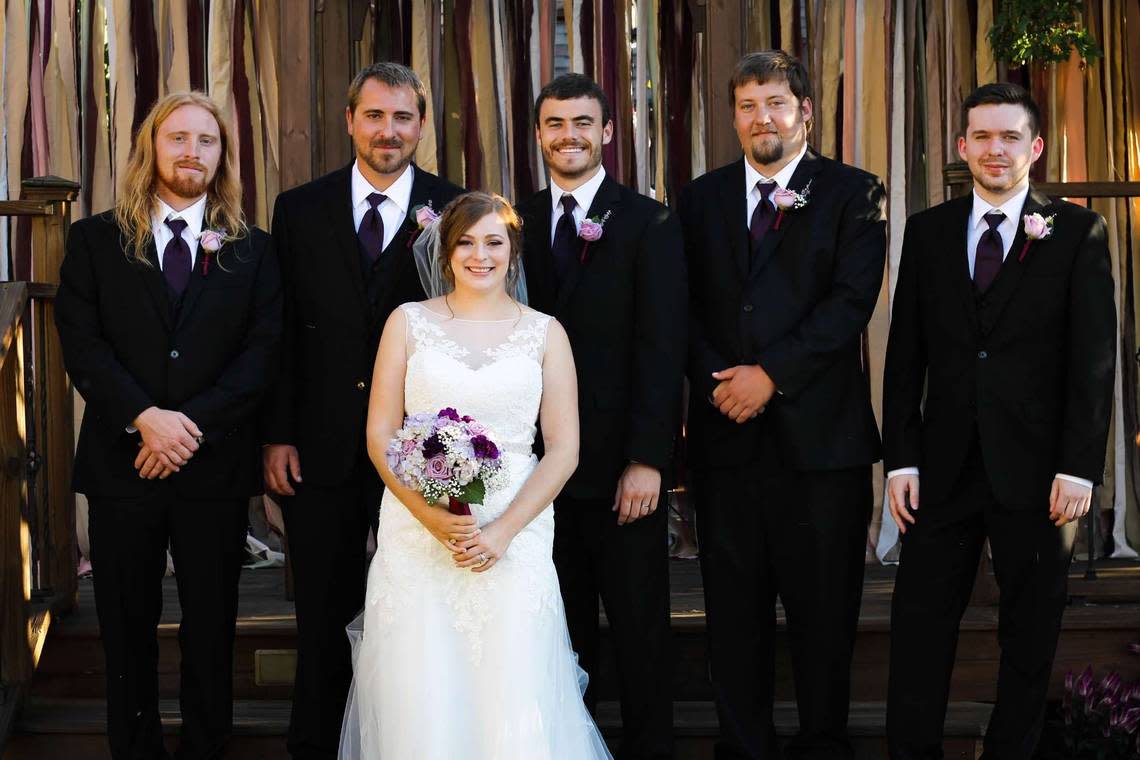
x,y
169,312
786,251
607,262
344,241
1005,322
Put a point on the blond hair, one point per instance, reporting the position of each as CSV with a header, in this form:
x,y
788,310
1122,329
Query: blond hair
x,y
135,207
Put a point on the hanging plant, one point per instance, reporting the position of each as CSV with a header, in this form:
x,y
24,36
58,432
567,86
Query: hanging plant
x,y
1042,31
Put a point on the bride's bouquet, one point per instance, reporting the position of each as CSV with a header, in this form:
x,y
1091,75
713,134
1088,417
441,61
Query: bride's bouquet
x,y
448,455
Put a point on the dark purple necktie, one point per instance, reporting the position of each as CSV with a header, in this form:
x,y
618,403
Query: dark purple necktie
x,y
371,232
763,215
176,258
989,254
565,245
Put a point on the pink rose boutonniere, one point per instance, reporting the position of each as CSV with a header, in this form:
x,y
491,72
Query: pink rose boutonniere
x,y
789,200
424,215
1037,227
591,231
210,241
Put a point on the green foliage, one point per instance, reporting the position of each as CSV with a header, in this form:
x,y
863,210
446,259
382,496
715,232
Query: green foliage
x,y
474,492
1040,30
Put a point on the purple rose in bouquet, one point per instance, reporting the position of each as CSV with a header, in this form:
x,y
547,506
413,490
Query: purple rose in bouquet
x,y
446,454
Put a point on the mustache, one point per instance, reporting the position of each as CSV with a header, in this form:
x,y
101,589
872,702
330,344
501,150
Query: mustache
x,y
569,144
387,144
190,165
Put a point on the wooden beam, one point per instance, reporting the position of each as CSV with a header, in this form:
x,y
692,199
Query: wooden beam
x,y
296,96
724,45
333,60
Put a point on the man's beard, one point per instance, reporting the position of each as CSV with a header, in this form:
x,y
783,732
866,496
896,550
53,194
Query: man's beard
x,y
382,165
188,187
594,158
768,152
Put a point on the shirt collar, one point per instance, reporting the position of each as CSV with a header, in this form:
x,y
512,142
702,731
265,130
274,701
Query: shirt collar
x,y
192,214
782,177
1011,208
583,194
399,192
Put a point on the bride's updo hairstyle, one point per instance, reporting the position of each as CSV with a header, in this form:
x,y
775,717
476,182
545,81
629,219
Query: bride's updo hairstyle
x,y
462,214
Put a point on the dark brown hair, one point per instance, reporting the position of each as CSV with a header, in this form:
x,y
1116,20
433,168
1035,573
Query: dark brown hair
x,y
393,75
462,214
570,87
768,65
998,93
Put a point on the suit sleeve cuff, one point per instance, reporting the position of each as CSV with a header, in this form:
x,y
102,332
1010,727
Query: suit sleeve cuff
x,y
902,471
1075,479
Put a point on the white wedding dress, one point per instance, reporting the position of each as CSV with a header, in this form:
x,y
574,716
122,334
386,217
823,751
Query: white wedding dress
x,y
451,663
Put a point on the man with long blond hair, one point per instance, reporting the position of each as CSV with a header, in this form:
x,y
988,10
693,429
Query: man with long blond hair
x,y
169,312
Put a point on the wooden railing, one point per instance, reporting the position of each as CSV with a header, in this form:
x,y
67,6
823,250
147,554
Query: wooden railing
x,y
38,552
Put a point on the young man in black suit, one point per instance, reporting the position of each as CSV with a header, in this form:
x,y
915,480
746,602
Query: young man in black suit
x,y
1003,319
169,312
608,263
786,251
344,243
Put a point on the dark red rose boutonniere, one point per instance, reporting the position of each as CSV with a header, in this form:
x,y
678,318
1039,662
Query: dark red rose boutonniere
x,y
1037,227
789,200
591,231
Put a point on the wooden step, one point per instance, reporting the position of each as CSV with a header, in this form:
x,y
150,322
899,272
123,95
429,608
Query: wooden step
x,y
76,727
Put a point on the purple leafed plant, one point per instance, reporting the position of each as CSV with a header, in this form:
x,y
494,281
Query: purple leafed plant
x,y
1102,717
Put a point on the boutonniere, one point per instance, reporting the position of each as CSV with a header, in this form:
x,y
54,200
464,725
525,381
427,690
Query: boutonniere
x,y
210,241
424,215
789,200
591,231
1037,227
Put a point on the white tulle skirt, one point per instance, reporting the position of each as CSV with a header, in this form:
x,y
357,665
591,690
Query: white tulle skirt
x,y
450,663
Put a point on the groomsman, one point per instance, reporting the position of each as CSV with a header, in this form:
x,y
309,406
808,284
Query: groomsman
x,y
786,251
344,243
608,263
1003,321
169,312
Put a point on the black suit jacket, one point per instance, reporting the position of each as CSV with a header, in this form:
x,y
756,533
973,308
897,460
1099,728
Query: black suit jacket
x,y
127,349
1029,365
332,330
798,310
623,311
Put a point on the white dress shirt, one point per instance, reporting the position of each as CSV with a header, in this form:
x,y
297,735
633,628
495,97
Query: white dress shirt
x,y
192,215
393,210
781,178
583,197
1008,230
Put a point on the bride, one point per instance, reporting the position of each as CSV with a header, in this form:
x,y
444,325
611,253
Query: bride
x,y
464,650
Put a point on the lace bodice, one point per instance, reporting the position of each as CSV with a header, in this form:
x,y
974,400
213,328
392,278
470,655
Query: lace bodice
x,y
491,370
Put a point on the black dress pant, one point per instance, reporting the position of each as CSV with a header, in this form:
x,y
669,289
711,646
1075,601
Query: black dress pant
x,y
129,538
937,568
628,567
327,527
767,530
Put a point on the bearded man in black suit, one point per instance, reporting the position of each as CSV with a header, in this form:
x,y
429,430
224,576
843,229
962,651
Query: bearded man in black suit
x,y
786,251
345,245
996,398
169,313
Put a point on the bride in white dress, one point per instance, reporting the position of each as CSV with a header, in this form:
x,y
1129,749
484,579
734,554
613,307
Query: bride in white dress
x,y
464,651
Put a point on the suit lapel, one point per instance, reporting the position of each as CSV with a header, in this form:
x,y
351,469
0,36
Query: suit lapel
x,y
1013,268
153,281
734,206
338,210
607,199
955,226
808,167
536,256
198,279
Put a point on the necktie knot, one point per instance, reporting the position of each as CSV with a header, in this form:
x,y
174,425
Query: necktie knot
x,y
568,203
994,219
176,225
766,189
375,199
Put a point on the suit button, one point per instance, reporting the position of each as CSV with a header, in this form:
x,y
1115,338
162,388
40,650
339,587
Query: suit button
x,y
174,354
982,355
359,385
747,307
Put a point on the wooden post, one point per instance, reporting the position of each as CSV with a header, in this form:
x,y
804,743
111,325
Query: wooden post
x,y
15,541
298,158
724,29
56,439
